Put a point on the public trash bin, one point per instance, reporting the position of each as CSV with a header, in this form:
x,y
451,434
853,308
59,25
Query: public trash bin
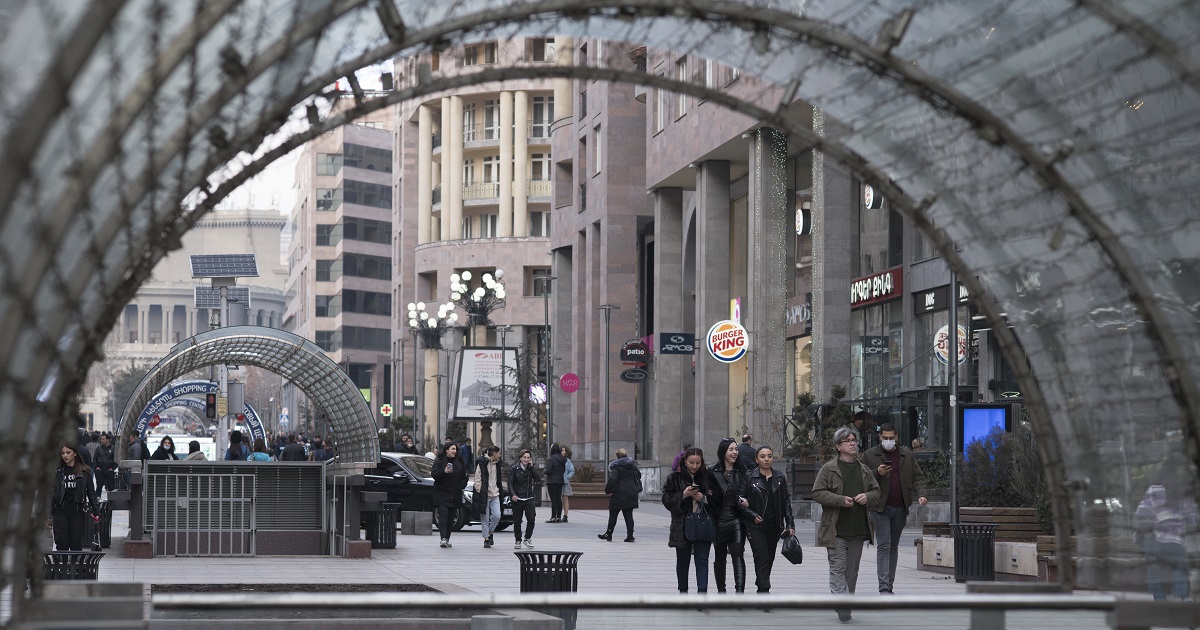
x,y
551,572
72,565
974,552
381,526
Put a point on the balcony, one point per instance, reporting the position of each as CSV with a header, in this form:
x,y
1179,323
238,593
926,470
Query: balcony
x,y
538,188
480,132
482,190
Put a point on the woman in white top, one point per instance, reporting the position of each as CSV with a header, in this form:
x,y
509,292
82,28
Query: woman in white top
x,y
566,491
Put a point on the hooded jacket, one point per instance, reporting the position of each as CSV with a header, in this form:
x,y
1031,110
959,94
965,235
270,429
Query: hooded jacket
x,y
623,484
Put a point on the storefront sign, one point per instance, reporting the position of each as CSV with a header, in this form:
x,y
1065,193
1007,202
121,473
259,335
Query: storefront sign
x,y
804,219
569,382
871,199
936,299
635,351
874,345
799,316
676,343
727,341
879,287
634,375
941,344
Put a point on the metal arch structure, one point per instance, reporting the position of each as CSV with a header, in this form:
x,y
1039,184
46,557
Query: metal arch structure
x,y
1018,148
294,358
184,394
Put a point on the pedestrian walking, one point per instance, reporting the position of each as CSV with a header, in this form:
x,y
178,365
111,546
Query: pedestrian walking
x,y
846,489
686,490
293,452
487,493
74,499
449,478
770,515
623,487
732,508
165,450
106,463
1165,515
468,456
567,492
522,489
747,453
900,482
555,469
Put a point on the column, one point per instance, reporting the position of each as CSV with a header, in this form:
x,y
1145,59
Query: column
x,y
456,170
712,299
430,396
767,271
834,229
671,390
424,173
564,50
521,164
506,165
447,142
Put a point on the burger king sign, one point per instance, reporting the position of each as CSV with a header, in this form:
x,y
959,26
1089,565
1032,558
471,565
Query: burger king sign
x,y
727,341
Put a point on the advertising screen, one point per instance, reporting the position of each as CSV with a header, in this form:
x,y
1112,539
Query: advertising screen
x,y
979,420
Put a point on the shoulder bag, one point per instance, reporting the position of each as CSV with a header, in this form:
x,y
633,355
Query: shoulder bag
x,y
792,550
698,525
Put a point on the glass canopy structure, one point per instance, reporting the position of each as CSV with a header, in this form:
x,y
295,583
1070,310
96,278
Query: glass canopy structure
x,y
1045,147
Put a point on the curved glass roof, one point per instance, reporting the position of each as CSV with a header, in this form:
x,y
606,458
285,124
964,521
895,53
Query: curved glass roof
x,y
1045,147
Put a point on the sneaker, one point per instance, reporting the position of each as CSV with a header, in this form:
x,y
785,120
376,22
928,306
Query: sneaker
x,y
518,545
843,616
448,545
491,541
487,544
444,543
529,543
564,520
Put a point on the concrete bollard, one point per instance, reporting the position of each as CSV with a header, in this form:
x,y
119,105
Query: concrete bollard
x,y
491,622
416,523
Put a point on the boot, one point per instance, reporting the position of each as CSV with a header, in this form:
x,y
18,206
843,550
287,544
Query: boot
x,y
718,573
629,538
605,536
739,574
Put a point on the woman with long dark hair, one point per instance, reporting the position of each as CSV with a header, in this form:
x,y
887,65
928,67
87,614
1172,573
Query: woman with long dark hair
x,y
449,477
74,499
771,515
165,450
623,486
687,489
730,507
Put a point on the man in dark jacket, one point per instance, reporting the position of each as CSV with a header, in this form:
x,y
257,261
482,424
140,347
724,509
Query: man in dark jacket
x,y
106,463
900,481
522,489
556,467
746,453
293,452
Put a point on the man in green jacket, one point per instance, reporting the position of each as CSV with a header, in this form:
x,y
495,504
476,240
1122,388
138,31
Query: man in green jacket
x,y
845,488
900,481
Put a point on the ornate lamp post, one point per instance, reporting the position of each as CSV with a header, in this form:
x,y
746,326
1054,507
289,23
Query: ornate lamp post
x,y
428,330
478,303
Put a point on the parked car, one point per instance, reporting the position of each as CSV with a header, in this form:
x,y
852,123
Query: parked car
x,y
408,480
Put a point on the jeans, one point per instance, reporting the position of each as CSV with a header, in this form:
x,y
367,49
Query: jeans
x,y
763,543
888,525
523,509
844,557
68,527
1166,569
490,517
612,520
684,555
105,479
555,491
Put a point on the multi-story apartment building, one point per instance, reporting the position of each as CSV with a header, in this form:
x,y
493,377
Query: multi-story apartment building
x,y
474,188
340,255
163,313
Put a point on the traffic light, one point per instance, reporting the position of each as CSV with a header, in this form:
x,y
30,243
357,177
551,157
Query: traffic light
x,y
210,405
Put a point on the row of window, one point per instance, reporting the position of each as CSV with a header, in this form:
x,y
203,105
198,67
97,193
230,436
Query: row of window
x,y
354,337
355,265
488,225
489,128
536,49
489,170
351,301
690,70
355,156
355,229
361,193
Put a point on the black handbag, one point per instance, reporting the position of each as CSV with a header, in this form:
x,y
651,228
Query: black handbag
x,y
698,525
792,550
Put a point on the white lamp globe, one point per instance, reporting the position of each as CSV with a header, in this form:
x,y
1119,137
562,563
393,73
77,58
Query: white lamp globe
x,y
487,279
454,278
500,292
412,323
432,323
499,274
454,316
424,315
420,306
412,307
455,296
466,276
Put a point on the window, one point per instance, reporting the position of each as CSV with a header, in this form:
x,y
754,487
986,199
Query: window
x,y
489,226
368,230
597,152
369,158
466,227
710,79
479,54
583,104
328,270
468,172
329,163
328,306
543,115
365,194
539,224
539,167
364,266
536,284
328,235
469,131
366,302
327,341
540,49
491,168
599,50
681,74
366,338
491,119
329,199
435,61
660,110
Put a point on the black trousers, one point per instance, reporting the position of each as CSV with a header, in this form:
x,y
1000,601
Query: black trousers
x,y
105,479
445,521
612,519
69,527
523,509
732,542
763,543
555,491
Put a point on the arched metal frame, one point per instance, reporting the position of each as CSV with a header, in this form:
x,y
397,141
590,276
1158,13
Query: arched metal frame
x,y
294,358
182,394
993,119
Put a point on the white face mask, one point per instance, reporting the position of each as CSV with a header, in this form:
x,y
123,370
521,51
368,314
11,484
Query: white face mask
x,y
889,445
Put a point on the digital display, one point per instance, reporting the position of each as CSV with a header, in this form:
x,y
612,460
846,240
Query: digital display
x,y
979,421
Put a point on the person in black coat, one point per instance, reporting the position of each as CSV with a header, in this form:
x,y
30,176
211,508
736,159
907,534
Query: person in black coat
x,y
74,499
730,506
449,477
770,513
623,487
690,488
522,489
165,450
556,468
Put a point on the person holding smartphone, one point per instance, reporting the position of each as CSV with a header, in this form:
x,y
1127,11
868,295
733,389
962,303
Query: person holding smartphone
x,y
449,477
900,482
687,489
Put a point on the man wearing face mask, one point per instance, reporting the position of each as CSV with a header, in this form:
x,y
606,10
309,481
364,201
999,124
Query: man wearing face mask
x,y
900,482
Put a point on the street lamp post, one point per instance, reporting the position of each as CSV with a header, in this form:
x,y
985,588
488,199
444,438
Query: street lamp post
x,y
546,341
478,304
607,308
428,330
503,330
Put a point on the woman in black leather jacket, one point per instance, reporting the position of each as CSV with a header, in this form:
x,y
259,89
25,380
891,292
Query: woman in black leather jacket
x,y
74,500
730,505
522,489
771,515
